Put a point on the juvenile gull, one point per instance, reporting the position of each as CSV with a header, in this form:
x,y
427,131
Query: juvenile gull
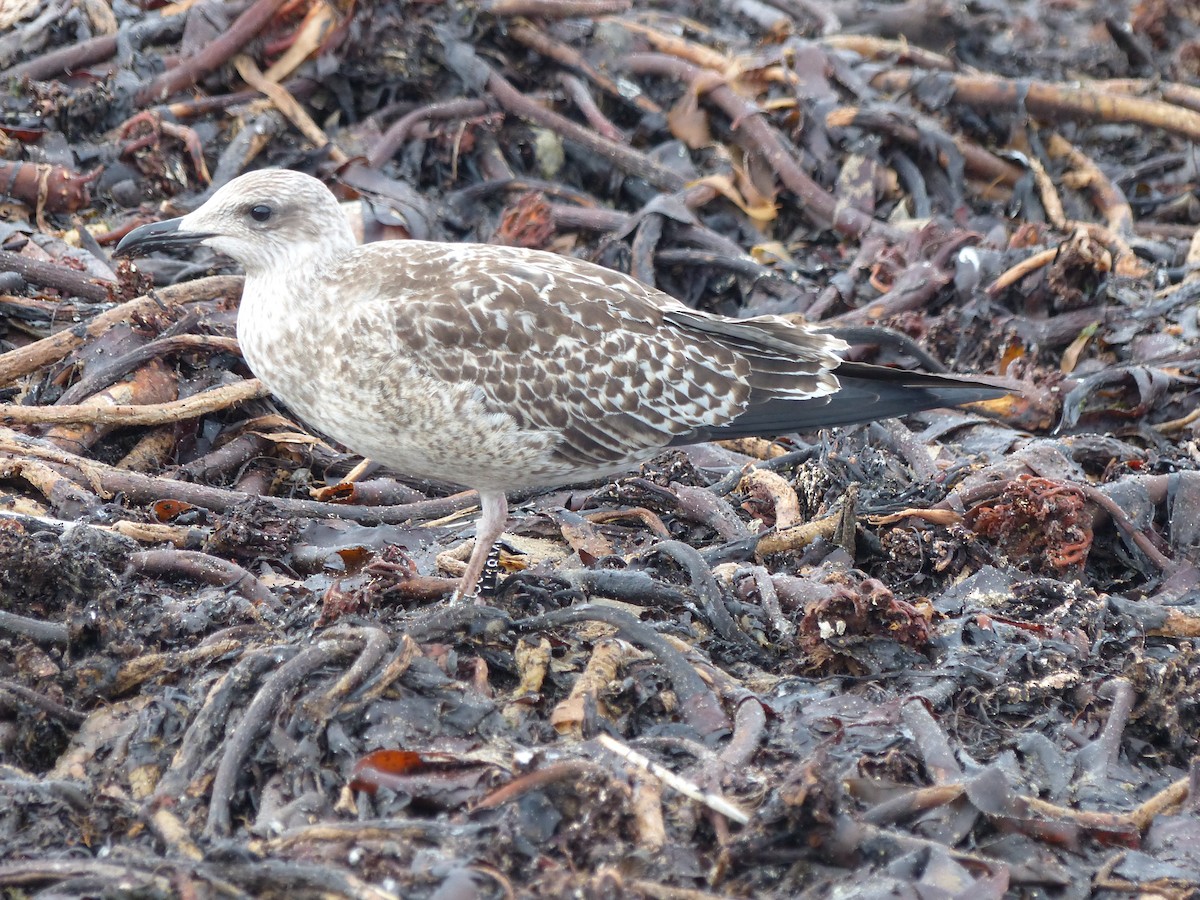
x,y
499,367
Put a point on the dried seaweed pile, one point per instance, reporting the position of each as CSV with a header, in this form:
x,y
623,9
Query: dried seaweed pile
x,y
954,655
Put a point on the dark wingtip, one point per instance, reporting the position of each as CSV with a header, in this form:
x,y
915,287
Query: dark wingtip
x,y
867,394
911,379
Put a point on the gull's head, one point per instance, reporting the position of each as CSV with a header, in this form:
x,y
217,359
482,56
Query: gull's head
x,y
268,220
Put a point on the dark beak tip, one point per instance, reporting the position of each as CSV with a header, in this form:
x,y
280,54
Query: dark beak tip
x,y
156,236
127,247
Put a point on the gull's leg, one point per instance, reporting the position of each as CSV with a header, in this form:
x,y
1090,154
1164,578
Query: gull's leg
x,y
494,515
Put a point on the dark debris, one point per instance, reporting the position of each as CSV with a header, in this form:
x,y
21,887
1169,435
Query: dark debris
x,y
954,656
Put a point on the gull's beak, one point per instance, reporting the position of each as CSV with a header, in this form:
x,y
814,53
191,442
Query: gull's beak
x,y
158,236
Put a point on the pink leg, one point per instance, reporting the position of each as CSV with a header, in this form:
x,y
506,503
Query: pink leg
x,y
491,525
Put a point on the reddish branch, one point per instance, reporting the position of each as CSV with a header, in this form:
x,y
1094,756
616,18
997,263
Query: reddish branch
x,y
625,158
47,188
557,9
747,119
191,69
206,568
393,139
64,60
1053,100
71,281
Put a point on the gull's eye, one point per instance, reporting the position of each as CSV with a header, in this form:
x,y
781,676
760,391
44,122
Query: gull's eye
x,y
260,212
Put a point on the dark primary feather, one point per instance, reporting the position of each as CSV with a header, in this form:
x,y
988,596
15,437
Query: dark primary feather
x,y
868,393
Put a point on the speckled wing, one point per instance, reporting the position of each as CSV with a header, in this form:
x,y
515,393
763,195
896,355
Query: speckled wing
x,y
615,369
